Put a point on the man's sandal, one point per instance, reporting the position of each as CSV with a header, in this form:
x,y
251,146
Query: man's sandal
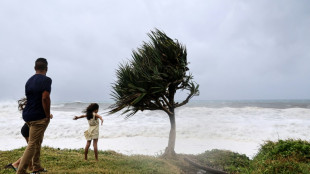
x,y
36,172
40,170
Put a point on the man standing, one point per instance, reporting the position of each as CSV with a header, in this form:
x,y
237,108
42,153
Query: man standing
x,y
37,115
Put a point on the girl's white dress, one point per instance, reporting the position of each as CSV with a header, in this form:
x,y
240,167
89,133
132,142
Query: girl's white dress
x,y
93,130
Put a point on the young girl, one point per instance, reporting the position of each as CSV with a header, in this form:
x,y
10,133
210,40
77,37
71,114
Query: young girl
x,y
93,131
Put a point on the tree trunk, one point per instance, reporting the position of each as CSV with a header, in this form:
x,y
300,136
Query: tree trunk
x,y
169,152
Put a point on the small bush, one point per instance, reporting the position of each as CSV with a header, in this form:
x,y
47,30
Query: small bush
x,y
285,148
224,160
285,156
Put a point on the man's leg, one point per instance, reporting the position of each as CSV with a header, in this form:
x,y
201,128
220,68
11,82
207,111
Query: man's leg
x,y
29,151
36,131
41,127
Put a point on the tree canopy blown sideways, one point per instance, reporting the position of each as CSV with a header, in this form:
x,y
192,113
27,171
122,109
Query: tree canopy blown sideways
x,y
150,80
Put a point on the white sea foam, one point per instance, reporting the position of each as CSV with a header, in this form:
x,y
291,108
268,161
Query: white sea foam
x,y
199,128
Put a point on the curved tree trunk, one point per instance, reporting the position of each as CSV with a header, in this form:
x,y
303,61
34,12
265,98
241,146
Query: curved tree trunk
x,y
169,152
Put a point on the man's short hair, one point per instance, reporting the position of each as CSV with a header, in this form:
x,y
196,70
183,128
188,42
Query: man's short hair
x,y
41,64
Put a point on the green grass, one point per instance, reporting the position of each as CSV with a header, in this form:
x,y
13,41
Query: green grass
x,y
281,157
72,161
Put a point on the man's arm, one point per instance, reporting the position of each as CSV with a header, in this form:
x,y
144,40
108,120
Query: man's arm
x,y
46,102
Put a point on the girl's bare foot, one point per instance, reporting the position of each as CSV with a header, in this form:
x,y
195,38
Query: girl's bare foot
x,y
14,165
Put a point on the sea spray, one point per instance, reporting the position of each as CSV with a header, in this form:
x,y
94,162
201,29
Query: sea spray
x,y
238,126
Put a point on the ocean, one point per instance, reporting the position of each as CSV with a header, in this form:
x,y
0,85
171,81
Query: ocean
x,y
238,126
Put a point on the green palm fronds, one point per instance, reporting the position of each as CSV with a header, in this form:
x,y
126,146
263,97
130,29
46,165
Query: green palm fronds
x,y
150,80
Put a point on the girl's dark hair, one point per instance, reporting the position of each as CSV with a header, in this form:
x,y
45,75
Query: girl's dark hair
x,y
90,109
22,103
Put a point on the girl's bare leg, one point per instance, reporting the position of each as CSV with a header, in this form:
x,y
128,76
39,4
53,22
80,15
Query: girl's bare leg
x,y
96,148
86,149
16,163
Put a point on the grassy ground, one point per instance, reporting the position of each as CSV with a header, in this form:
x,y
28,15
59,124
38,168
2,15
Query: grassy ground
x,y
72,161
284,156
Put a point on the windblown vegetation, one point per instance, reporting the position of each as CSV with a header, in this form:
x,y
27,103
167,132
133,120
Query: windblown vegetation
x,y
150,80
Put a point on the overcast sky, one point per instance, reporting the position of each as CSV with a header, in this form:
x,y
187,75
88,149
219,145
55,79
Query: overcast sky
x,y
237,49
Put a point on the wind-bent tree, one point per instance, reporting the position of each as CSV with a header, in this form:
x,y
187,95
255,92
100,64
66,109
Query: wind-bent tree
x,y
150,81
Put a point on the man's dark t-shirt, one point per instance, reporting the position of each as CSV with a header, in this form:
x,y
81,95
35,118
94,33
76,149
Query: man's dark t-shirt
x,y
35,86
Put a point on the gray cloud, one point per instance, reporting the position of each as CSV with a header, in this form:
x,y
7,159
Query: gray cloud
x,y
236,49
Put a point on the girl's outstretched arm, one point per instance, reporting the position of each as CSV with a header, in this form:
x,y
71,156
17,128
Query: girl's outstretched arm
x,y
78,117
98,116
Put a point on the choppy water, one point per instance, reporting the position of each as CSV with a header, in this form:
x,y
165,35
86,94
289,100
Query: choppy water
x,y
240,126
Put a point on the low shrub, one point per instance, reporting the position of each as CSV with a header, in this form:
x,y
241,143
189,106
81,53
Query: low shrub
x,y
225,160
284,156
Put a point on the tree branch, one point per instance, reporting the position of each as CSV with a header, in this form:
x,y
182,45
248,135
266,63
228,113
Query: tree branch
x,y
166,101
164,108
185,101
177,81
151,104
151,109
194,91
